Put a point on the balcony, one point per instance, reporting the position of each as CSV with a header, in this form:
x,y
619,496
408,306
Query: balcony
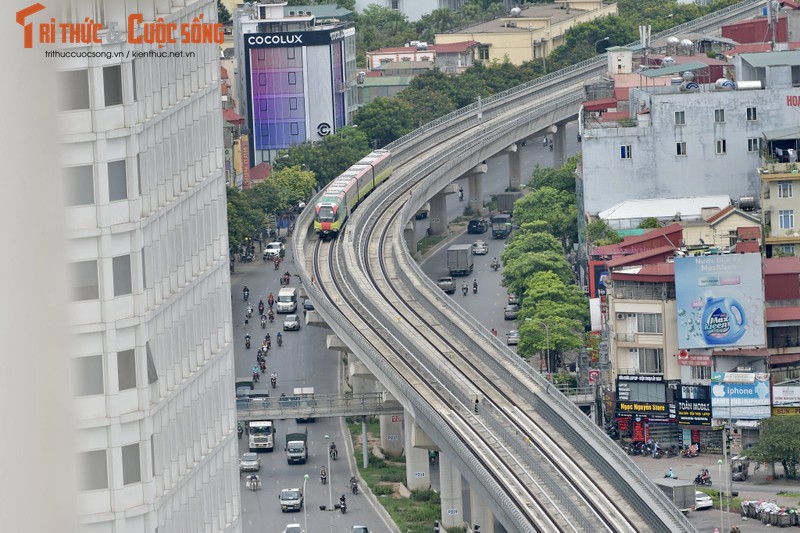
x,y
771,171
644,340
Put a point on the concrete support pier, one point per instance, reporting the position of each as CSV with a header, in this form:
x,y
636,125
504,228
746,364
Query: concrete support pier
x,y
451,493
418,473
480,513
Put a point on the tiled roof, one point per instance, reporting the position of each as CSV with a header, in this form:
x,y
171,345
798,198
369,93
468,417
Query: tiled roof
x,y
719,214
782,265
783,314
638,258
260,172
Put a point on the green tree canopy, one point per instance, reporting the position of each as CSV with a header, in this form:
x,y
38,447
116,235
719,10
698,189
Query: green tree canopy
x,y
522,242
599,234
556,208
329,157
649,223
561,178
223,15
518,272
779,442
385,119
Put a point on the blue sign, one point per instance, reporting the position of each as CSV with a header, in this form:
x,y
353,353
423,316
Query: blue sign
x,y
741,400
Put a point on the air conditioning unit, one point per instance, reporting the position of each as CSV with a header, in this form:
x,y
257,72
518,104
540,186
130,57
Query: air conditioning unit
x,y
631,315
292,13
620,316
633,350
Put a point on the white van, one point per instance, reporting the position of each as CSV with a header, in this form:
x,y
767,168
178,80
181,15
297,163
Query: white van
x,y
287,300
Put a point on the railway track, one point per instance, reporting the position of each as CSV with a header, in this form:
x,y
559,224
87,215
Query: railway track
x,y
537,459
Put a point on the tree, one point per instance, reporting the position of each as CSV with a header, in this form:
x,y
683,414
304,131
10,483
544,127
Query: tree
x,y
557,208
649,223
223,15
329,157
518,271
599,234
523,242
562,178
426,104
779,442
385,119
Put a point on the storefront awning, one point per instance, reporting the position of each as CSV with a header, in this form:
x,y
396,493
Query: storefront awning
x,y
753,352
784,359
747,423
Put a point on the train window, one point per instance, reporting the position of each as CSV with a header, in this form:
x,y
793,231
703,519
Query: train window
x,y
326,214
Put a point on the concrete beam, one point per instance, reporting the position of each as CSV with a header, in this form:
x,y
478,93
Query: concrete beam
x,y
312,318
332,342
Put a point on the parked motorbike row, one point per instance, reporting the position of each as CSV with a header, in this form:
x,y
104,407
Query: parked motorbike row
x,y
643,448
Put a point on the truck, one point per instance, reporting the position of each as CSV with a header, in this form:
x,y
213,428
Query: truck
x,y
680,492
501,226
296,449
261,435
505,201
459,259
304,396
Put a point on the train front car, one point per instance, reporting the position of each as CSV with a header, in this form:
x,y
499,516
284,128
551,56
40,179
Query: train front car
x,y
327,221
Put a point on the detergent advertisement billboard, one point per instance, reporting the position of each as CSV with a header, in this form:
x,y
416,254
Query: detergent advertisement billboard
x,y
720,301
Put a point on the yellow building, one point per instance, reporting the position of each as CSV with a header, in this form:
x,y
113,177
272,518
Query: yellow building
x,y
530,33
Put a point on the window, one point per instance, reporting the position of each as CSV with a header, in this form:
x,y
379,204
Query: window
x,y
87,375
92,470
294,129
483,52
262,80
680,118
117,181
648,323
292,78
680,148
133,76
395,4
753,144
122,274
722,147
131,465
126,369
752,114
786,219
625,151
84,280
112,85
152,373
787,249
784,189
701,372
78,185
719,116
651,360
292,103
290,51
73,90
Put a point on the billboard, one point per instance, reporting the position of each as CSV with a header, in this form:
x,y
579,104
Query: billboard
x,y
741,396
720,301
785,400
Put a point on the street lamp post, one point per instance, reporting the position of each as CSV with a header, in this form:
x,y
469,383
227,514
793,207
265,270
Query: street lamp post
x,y
330,474
719,476
598,42
305,515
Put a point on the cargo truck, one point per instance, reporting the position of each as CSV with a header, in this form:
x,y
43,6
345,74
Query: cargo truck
x,y
459,259
260,435
505,201
501,226
680,492
296,449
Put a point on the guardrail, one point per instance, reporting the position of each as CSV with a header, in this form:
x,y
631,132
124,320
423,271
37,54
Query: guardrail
x,y
318,406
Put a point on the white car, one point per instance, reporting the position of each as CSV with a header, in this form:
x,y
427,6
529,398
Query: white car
x,y
293,528
512,338
291,323
480,248
702,501
273,250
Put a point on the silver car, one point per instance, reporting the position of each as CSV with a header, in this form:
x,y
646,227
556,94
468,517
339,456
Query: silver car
x,y
512,337
291,323
250,462
480,248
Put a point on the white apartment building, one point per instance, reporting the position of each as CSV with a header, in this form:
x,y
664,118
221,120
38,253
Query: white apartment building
x,y
147,249
701,141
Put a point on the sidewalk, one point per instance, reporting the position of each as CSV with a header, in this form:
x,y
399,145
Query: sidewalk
x,y
755,488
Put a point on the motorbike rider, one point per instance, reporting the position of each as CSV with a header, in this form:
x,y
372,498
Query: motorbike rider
x,y
270,300
495,263
239,429
271,315
260,307
474,285
277,262
464,288
353,484
670,474
273,378
279,338
333,452
247,340
263,322
323,474
245,293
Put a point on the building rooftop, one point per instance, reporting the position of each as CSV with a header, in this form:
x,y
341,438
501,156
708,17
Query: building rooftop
x,y
320,11
688,208
772,59
677,68
520,24
782,265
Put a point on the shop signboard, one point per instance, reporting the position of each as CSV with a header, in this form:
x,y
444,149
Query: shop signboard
x,y
686,358
785,400
694,412
720,301
644,409
737,400
641,388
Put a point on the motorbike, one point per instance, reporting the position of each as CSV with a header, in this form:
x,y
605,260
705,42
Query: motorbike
x,y
495,265
247,343
261,308
354,486
701,481
285,279
271,317
274,381
474,288
323,478
263,323
245,295
256,377
334,453
280,340
249,312
239,430
342,506
464,290
277,263
263,366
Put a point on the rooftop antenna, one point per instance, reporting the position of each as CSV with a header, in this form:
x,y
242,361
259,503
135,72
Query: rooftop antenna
x,y
644,38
